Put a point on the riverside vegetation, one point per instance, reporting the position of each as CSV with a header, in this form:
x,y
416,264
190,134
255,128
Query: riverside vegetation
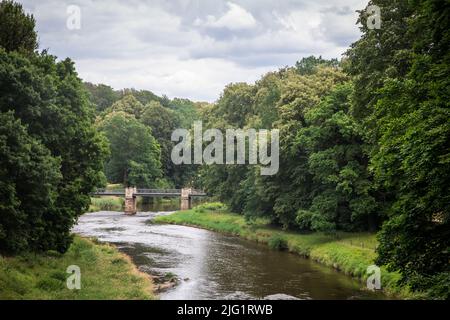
x,y
105,274
347,252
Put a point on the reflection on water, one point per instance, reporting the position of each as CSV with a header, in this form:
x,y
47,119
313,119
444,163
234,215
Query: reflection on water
x,y
216,266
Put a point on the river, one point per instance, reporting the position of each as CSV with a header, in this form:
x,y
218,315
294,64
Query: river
x,y
210,265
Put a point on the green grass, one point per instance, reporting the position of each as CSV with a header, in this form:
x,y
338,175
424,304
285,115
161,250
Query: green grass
x,y
350,253
108,203
114,186
105,274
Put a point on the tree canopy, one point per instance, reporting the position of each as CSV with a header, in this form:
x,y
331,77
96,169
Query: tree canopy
x,y
135,155
402,97
17,28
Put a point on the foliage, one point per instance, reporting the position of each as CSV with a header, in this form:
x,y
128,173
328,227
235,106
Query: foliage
x,y
101,95
341,184
28,179
309,64
185,110
323,183
48,98
16,28
105,274
163,122
403,98
127,104
135,155
144,96
160,114
277,242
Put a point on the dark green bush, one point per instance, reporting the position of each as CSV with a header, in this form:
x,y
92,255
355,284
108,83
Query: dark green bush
x,y
278,242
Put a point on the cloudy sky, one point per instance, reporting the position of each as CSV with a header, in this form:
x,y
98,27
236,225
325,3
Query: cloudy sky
x,y
192,48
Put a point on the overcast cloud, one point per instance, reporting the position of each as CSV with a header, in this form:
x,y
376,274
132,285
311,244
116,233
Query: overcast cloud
x,y
192,48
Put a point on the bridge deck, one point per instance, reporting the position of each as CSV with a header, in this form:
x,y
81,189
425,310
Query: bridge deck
x,y
149,193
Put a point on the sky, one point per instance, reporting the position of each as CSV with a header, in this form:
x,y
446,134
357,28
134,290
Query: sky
x,y
191,48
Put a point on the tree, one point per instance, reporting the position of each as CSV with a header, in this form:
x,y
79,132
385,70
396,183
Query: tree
x,y
185,109
128,104
402,97
16,28
102,96
341,185
308,65
143,96
48,97
134,153
163,122
29,177
231,111
293,184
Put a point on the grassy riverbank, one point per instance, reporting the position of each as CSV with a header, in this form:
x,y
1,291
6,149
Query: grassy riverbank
x,y
350,253
105,274
108,203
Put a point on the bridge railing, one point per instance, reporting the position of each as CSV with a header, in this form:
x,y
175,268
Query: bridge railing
x,y
158,191
193,192
115,191
197,192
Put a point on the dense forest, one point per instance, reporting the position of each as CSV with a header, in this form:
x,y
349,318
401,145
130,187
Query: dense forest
x,y
364,141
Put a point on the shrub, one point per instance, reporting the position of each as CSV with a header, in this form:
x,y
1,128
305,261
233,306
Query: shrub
x,y
278,242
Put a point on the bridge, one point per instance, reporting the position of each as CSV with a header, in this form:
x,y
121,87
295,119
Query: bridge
x,y
130,194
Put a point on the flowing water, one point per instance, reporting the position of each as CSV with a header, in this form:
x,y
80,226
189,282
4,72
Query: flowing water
x,y
210,265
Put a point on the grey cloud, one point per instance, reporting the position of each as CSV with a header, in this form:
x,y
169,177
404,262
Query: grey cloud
x,y
132,42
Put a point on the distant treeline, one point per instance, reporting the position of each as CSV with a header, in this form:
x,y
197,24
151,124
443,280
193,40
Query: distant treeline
x,y
138,125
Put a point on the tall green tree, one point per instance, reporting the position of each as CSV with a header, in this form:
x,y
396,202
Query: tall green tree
x,y
186,110
341,185
402,96
48,97
134,153
293,184
101,95
128,104
16,28
29,177
163,122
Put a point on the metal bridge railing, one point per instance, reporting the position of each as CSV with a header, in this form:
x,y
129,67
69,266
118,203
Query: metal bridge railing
x,y
158,191
193,192
115,191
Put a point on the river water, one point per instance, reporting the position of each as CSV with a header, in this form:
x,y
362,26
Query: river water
x,y
215,266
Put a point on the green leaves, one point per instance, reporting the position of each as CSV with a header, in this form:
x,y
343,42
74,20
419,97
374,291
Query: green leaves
x,y
323,183
48,99
29,177
17,28
402,99
134,152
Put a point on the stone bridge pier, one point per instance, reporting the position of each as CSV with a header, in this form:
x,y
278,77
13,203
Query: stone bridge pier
x,y
186,200
130,201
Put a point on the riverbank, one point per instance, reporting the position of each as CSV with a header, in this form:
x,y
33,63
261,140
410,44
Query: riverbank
x,y
350,253
105,274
